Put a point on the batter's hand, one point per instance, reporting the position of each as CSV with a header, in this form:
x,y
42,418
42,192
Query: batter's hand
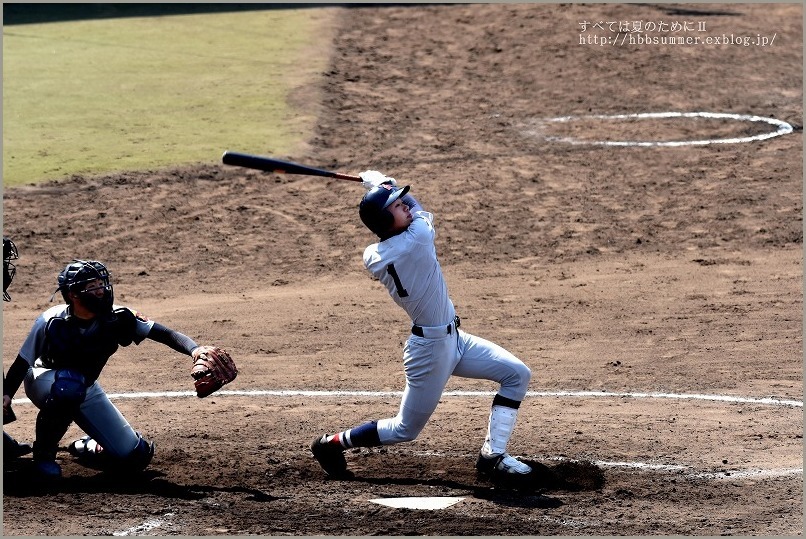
x,y
373,178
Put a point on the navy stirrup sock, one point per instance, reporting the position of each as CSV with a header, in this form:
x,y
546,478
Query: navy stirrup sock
x,y
365,435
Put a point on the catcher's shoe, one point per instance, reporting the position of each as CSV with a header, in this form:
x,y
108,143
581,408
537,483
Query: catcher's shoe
x,y
47,469
12,449
503,468
17,452
331,458
85,448
45,466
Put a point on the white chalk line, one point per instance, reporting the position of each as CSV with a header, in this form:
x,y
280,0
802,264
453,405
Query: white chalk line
x,y
782,128
687,471
145,526
763,401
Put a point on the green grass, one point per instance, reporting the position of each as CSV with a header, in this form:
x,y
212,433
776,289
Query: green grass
x,y
99,96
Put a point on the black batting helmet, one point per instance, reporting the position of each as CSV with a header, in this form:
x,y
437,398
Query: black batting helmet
x,y
75,277
372,208
9,268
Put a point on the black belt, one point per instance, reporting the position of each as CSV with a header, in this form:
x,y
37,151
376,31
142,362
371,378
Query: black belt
x,y
417,330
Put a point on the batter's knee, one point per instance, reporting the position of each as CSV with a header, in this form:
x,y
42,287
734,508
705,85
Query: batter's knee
x,y
526,374
399,429
515,385
401,435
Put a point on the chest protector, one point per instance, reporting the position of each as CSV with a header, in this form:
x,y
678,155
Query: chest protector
x,y
86,349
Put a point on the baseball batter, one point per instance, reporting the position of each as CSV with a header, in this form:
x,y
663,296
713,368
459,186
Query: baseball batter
x,y
62,358
405,262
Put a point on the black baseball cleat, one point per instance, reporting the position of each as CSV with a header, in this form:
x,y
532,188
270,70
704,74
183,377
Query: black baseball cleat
x,y
331,458
22,449
47,469
12,449
15,452
504,469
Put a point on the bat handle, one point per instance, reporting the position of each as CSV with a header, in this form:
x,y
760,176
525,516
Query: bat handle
x,y
350,177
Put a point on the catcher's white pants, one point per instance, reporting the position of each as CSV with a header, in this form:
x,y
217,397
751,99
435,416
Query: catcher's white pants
x,y
96,416
429,363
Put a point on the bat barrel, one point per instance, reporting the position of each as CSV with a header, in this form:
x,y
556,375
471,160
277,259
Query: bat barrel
x,y
270,164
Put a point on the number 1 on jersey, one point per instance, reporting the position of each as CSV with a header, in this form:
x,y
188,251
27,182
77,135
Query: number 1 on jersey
x,y
398,285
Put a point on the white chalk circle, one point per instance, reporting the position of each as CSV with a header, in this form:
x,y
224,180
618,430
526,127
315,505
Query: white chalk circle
x,y
782,128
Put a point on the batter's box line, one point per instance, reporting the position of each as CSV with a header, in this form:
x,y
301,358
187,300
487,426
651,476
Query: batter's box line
x,y
763,401
679,468
688,472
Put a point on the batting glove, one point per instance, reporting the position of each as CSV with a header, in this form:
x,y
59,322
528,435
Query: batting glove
x,y
373,178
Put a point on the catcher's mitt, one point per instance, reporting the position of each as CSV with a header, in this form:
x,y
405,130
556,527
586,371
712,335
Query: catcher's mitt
x,y
212,368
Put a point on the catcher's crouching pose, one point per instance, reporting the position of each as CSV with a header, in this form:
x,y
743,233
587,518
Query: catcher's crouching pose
x,y
62,357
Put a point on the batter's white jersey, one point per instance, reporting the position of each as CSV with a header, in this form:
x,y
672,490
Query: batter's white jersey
x,y
407,265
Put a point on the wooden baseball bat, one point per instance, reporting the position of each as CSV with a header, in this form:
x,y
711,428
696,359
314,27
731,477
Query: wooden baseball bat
x,y
269,164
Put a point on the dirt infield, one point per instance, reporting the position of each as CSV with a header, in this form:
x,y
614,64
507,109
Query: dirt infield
x,y
655,292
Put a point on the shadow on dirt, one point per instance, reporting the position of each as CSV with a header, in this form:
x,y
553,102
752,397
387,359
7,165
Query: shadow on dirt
x,y
520,496
570,476
20,481
511,498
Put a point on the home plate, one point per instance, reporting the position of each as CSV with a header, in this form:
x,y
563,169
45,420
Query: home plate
x,y
419,502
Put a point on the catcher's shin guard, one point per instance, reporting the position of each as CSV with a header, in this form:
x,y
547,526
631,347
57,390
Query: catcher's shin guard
x,y
51,425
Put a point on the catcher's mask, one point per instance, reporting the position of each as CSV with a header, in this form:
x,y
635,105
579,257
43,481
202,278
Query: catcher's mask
x,y
78,277
372,208
9,268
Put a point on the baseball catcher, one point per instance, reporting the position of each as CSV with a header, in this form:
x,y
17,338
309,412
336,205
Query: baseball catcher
x,y
404,260
12,449
63,356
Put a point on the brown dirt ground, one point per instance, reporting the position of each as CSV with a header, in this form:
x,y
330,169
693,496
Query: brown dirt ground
x,y
675,270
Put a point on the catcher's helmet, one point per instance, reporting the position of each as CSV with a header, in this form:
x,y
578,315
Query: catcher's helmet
x,y
9,268
372,208
75,277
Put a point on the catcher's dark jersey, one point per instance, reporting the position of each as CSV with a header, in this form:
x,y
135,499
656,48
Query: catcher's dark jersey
x,y
59,340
